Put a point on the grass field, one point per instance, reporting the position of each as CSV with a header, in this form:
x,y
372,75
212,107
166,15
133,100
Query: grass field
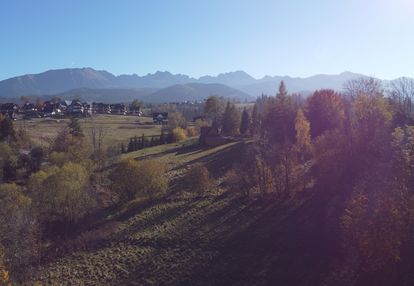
x,y
117,128
218,238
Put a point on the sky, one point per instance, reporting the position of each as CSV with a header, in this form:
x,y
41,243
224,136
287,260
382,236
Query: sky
x,y
195,37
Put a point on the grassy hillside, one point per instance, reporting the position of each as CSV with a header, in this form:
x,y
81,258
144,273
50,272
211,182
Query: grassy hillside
x,y
217,238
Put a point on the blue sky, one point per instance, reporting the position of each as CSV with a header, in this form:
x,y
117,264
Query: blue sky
x,y
261,37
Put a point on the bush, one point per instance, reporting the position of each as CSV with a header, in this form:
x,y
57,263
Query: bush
x,y
132,179
179,134
198,178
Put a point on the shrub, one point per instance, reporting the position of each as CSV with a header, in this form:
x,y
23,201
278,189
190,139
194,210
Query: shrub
x,y
132,179
198,178
179,134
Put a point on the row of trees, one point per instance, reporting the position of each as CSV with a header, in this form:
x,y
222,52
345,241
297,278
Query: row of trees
x,y
227,116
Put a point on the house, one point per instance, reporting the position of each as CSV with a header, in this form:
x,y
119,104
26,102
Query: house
x,y
160,117
51,108
75,108
9,110
118,108
30,110
101,108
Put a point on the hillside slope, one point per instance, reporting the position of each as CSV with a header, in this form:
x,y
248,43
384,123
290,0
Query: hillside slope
x,y
217,238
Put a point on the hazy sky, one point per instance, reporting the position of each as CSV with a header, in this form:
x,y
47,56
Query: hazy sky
x,y
261,37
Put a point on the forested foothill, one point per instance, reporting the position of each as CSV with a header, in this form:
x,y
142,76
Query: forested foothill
x,y
283,191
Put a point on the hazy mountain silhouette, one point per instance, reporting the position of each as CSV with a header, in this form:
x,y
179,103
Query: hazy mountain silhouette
x,y
160,86
195,91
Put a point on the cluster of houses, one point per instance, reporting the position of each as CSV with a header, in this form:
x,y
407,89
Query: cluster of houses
x,y
62,108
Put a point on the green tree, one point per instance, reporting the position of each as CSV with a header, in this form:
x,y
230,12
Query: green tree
x,y
214,108
75,128
176,119
6,129
254,128
245,122
231,120
279,118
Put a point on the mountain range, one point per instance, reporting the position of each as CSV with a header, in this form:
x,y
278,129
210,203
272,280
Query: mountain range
x,y
91,84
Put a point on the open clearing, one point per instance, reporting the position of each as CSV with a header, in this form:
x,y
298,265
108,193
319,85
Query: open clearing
x,y
117,128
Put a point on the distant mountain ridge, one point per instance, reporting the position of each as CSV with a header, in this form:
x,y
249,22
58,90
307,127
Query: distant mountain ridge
x,y
163,86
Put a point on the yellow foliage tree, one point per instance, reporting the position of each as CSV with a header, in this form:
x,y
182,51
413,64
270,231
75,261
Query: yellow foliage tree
x,y
132,179
179,134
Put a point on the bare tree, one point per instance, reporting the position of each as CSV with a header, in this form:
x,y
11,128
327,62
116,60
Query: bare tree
x,y
98,134
402,93
367,86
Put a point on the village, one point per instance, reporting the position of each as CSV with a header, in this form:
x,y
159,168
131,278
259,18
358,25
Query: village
x,y
58,108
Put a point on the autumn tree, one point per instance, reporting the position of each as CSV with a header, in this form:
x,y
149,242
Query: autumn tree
x,y
62,193
198,179
178,134
325,110
176,119
18,229
133,179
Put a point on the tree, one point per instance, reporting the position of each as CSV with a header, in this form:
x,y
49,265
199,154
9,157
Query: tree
x,y
18,229
75,128
25,99
255,120
130,145
6,129
367,86
325,110
143,141
179,134
214,108
136,105
198,179
37,155
401,94
302,127
245,122
132,179
176,119
279,118
162,137
231,120
62,193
